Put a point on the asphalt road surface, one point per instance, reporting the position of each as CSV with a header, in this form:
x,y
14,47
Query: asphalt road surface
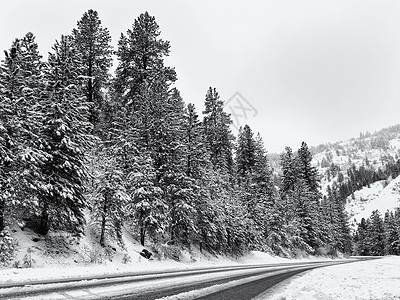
x,y
237,282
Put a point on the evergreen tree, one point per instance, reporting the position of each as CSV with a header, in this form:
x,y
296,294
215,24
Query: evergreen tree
x,y
262,182
262,175
20,122
308,176
289,170
360,239
7,246
179,189
244,162
109,199
256,188
147,210
392,234
307,172
219,139
288,183
64,137
141,61
196,154
375,230
92,42
300,200
180,197
209,214
336,220
154,114
245,154
305,214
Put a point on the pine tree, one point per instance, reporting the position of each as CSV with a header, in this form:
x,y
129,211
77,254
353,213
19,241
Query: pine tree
x,y
141,61
7,246
375,231
262,174
8,131
300,199
20,156
392,236
65,137
147,209
244,162
245,154
239,230
109,199
288,183
196,154
307,172
336,229
305,214
360,239
180,197
209,215
179,188
289,170
308,176
256,189
219,139
151,120
92,42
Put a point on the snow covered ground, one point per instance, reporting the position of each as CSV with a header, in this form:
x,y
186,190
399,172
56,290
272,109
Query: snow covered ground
x,y
376,197
61,256
377,279
138,265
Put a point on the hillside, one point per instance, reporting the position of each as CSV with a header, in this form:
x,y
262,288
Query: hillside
x,y
377,197
371,163
371,159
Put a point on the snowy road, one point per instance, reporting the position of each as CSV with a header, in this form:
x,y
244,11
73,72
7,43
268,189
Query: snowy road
x,y
239,282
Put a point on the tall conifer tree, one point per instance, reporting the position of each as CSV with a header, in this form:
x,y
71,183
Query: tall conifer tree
x,y
217,132
92,42
65,138
21,85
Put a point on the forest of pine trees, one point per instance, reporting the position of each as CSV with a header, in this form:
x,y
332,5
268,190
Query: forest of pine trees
x,y
79,147
377,235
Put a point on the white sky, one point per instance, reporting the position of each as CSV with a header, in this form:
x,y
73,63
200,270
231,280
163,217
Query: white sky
x,y
318,71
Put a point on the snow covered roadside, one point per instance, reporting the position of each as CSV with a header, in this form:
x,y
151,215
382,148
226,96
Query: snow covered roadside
x,y
376,279
140,266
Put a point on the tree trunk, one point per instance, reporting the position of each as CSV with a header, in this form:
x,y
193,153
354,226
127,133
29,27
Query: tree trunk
x,y
2,208
103,229
44,220
93,114
142,234
103,221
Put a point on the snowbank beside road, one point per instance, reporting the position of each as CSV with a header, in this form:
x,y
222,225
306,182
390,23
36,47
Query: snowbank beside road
x,y
139,265
376,279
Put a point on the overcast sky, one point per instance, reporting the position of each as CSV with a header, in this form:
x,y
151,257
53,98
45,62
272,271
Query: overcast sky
x,y
318,71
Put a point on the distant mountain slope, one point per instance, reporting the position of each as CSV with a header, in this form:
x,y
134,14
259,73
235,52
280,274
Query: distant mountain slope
x,y
377,197
359,168
369,163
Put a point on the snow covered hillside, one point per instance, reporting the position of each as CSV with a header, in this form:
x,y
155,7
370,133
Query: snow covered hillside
x,y
377,197
370,151
363,170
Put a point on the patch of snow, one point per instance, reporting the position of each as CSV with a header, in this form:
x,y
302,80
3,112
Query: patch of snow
x,y
374,198
377,279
